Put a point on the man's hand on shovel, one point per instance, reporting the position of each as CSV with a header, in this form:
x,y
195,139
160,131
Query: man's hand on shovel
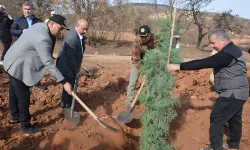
x,y
69,113
68,88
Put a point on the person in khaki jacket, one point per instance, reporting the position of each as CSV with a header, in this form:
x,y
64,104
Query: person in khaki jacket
x,y
145,40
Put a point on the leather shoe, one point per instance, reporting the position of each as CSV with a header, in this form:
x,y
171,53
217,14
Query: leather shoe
x,y
30,129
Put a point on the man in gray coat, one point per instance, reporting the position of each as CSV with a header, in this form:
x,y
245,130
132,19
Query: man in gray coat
x,y
22,23
26,62
70,56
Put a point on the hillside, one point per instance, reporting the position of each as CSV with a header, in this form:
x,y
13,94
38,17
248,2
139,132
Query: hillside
x,y
189,35
145,13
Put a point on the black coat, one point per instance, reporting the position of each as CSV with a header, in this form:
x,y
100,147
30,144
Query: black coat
x,y
5,25
21,23
70,56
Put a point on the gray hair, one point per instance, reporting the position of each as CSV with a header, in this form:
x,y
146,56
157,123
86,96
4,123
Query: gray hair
x,y
28,3
78,23
220,34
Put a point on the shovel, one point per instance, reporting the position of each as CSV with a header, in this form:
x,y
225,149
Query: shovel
x,y
128,116
70,115
93,115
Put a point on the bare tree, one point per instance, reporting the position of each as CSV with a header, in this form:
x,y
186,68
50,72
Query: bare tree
x,y
123,19
206,22
226,21
43,8
166,9
80,8
199,17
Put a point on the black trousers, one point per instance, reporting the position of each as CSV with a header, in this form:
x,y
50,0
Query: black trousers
x,y
19,101
226,110
66,98
6,45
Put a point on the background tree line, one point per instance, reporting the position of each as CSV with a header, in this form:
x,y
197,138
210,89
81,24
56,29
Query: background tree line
x,y
110,19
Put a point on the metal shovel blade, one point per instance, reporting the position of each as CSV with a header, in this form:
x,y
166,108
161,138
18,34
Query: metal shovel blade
x,y
128,116
125,116
74,119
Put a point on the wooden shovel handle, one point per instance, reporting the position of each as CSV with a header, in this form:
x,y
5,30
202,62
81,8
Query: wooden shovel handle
x,y
138,93
87,109
172,32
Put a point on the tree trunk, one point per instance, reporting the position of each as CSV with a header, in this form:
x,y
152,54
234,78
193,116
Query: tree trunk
x,y
200,37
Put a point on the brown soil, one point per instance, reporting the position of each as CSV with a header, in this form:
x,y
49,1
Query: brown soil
x,y
190,130
105,96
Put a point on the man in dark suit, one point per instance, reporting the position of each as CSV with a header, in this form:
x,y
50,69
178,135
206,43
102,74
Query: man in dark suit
x,y
70,57
22,23
26,62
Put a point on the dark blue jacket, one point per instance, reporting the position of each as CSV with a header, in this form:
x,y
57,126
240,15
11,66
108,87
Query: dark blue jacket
x,y
70,56
20,24
5,24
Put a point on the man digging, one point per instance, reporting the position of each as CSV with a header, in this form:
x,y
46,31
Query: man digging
x,y
23,23
145,40
26,62
70,57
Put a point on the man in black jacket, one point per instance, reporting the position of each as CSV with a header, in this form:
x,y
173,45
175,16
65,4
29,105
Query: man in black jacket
x,y
22,23
5,35
70,57
230,82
